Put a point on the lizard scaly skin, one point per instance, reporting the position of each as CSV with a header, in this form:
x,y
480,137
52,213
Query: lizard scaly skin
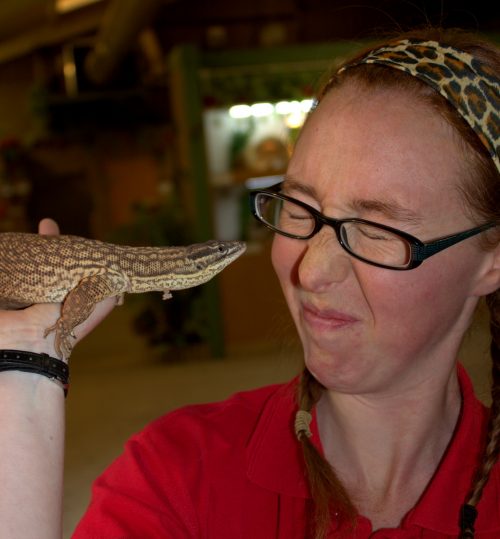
x,y
80,272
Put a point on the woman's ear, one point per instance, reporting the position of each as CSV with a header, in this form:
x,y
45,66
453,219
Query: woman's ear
x,y
489,280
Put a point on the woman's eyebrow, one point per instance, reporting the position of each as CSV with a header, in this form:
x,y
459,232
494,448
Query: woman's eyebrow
x,y
389,208
290,184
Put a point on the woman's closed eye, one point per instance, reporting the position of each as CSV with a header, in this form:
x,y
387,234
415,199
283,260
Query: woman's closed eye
x,y
297,215
295,212
375,234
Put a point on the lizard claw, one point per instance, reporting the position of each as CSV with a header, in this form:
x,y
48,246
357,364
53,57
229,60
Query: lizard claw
x,y
49,330
166,294
62,343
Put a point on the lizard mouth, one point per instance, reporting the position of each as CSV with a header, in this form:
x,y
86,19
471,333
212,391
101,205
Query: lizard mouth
x,y
205,260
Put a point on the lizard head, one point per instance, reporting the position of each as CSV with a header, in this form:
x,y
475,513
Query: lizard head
x,y
203,261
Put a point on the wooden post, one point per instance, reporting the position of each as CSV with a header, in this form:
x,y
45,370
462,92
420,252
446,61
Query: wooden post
x,y
187,108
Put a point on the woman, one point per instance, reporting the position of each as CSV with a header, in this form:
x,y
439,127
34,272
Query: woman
x,y
402,145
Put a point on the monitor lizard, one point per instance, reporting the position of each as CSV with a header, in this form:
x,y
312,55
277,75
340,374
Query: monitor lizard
x,y
79,272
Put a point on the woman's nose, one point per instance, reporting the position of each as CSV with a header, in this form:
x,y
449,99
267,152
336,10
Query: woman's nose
x,y
323,262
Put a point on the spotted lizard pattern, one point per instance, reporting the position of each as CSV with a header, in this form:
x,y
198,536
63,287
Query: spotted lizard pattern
x,y
80,272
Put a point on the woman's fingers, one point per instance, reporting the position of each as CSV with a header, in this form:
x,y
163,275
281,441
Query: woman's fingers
x,y
48,227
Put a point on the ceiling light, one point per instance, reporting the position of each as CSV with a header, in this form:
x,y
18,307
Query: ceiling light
x,y
240,111
262,109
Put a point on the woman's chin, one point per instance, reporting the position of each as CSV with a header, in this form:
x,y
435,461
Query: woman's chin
x,y
335,371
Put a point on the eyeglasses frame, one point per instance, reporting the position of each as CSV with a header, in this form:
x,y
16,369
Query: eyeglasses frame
x,y
419,250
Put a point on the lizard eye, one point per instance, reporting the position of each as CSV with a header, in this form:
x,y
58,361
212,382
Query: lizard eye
x,y
221,249
199,266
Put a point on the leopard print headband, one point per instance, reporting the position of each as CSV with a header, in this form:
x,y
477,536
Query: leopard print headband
x,y
471,87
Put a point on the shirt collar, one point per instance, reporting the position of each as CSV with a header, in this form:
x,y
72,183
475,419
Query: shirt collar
x,y
275,462
274,456
439,507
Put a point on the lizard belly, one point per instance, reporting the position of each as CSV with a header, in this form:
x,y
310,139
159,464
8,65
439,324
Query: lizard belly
x,y
50,288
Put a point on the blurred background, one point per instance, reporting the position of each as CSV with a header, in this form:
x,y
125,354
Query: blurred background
x,y
146,122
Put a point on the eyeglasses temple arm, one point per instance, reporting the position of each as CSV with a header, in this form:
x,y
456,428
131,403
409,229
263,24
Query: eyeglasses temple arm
x,y
421,252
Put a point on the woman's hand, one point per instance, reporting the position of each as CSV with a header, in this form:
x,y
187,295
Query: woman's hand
x,y
24,329
32,419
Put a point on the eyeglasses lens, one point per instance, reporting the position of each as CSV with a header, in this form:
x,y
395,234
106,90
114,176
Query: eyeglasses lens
x,y
376,244
285,216
364,240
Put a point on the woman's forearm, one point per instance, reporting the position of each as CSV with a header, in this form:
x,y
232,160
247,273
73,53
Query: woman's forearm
x,y
32,409
31,434
31,463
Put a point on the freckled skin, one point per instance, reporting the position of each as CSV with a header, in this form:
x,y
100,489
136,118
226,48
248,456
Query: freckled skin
x,y
410,323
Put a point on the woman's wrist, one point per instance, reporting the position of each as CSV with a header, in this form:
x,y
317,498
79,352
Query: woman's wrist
x,y
25,329
25,385
50,367
28,339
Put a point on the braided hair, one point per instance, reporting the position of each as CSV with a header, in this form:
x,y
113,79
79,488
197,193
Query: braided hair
x,y
492,444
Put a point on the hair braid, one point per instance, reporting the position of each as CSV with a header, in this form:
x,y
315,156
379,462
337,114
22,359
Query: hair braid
x,y
492,444
329,495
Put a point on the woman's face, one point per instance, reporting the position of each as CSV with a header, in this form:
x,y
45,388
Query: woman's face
x,y
390,159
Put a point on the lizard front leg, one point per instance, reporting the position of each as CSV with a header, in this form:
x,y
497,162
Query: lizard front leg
x,y
78,306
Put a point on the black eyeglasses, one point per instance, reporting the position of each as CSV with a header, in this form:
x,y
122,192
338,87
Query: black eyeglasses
x,y
373,243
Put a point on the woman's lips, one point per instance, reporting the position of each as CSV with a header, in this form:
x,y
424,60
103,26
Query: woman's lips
x,y
326,319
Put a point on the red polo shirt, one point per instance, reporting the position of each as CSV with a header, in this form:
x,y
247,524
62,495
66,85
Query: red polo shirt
x,y
234,470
